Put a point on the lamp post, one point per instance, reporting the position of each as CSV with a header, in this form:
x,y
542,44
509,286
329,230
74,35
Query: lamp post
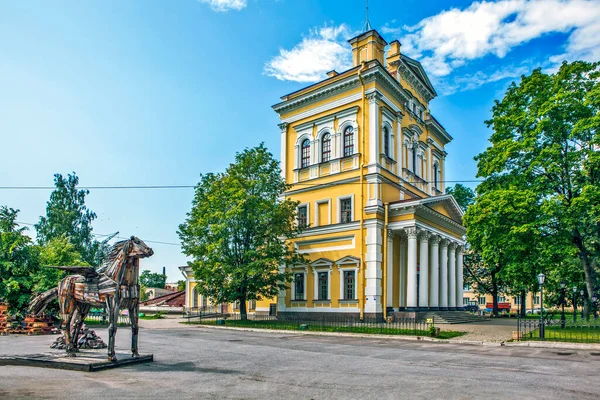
x,y
595,303
574,304
563,300
582,292
541,278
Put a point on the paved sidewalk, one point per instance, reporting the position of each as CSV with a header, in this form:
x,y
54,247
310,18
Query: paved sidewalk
x,y
495,330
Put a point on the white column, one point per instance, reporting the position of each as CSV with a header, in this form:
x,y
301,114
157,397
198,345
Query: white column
x,y
283,151
434,268
411,278
452,275
373,270
402,277
390,269
459,276
373,128
424,271
187,292
444,273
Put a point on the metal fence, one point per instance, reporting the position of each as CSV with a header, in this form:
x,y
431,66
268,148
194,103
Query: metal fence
x,y
555,330
398,326
103,319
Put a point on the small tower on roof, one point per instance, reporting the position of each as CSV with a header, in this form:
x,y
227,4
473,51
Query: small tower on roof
x,y
367,46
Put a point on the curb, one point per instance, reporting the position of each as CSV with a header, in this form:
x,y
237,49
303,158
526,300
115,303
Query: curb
x,y
546,345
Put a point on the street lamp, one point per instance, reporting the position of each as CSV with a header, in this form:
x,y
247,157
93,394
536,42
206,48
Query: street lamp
x,y
582,292
563,300
595,303
574,304
541,279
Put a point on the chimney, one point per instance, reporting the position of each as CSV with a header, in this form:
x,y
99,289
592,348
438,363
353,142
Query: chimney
x,y
165,271
331,74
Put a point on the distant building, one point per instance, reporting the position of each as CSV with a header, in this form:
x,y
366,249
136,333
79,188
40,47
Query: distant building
x,y
508,303
194,301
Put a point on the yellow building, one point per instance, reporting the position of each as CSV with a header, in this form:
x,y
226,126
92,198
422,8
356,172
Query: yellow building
x,y
366,161
471,297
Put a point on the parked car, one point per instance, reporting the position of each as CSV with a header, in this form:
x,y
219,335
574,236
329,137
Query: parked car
x,y
536,311
471,308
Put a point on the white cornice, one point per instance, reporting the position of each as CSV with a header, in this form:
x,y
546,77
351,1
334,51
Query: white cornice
x,y
335,228
432,123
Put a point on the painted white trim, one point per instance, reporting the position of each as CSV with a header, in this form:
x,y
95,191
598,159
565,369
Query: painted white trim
x,y
323,108
328,240
317,203
304,271
341,271
335,228
316,270
340,310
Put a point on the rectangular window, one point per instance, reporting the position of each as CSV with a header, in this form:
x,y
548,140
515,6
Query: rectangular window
x,y
302,216
346,211
465,301
349,278
252,305
482,301
466,287
536,299
299,286
517,300
323,281
501,299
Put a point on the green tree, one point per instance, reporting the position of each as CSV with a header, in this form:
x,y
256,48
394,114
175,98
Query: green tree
x,y
237,229
19,259
463,195
68,216
152,279
180,285
545,141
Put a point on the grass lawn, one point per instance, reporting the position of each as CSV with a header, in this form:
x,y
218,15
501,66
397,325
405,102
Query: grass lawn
x,y
324,327
582,334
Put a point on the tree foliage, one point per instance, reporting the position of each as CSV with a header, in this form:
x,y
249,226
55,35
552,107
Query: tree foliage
x,y
237,229
68,216
463,195
543,165
152,279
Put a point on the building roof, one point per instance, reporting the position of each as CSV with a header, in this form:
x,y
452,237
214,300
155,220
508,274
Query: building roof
x,y
174,299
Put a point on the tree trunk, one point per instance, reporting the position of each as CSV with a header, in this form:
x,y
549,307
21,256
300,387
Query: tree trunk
x,y
243,311
588,271
523,304
494,295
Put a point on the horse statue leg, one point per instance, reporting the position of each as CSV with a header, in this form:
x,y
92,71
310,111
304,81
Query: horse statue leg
x,y
112,306
80,313
134,317
67,309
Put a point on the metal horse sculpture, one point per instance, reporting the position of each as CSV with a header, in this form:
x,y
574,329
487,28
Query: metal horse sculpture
x,y
114,286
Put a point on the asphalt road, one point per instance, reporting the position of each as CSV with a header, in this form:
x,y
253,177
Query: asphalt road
x,y
192,362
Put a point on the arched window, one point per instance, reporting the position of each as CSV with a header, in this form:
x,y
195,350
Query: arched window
x,y
305,153
326,148
386,142
348,141
436,170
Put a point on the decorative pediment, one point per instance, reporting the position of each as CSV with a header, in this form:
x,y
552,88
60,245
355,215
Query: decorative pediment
x,y
321,262
443,210
348,260
417,69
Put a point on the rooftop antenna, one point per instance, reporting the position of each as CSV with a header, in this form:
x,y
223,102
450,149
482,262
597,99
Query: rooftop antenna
x,y
367,26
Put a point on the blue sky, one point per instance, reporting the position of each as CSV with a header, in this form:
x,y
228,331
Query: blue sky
x,y
157,92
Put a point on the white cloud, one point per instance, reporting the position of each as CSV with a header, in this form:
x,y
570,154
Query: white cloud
x,y
225,5
460,83
451,38
323,50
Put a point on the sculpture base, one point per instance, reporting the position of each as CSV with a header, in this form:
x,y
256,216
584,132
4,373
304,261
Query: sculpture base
x,y
85,361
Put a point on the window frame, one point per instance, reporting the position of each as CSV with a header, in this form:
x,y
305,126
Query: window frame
x,y
340,200
348,145
328,151
386,142
321,274
303,292
305,153
307,222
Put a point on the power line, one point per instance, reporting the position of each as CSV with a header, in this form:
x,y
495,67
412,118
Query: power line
x,y
193,186
117,237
